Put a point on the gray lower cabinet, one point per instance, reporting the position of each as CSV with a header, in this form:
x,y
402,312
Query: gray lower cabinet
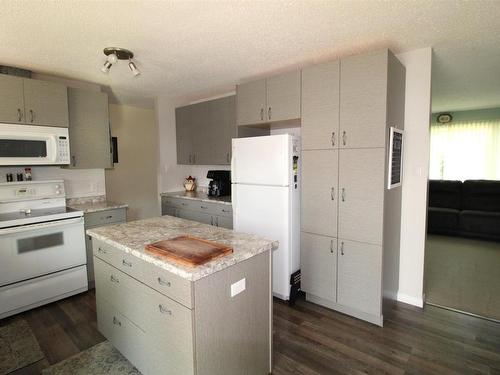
x,y
318,263
33,102
216,214
12,103
89,129
164,324
204,132
320,106
360,276
99,219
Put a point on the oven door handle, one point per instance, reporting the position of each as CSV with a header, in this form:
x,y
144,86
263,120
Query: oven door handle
x,y
43,225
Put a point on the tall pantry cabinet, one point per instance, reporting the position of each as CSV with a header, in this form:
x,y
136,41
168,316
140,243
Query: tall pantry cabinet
x,y
350,221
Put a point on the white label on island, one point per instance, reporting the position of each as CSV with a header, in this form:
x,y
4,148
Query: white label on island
x,y
238,287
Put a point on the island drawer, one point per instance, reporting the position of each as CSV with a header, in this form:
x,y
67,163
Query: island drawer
x,y
215,208
121,291
99,218
168,284
119,259
169,330
123,334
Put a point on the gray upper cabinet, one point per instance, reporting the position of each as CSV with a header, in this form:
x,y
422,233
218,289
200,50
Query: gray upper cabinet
x,y
283,97
251,102
12,103
183,125
33,102
204,132
320,106
363,98
269,100
89,132
46,103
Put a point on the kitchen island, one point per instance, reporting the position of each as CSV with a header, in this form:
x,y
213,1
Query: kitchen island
x,y
167,318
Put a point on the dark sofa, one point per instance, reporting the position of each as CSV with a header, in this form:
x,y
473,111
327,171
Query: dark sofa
x,y
467,209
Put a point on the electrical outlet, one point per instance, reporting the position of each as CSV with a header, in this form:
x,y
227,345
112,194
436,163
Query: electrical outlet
x,y
238,287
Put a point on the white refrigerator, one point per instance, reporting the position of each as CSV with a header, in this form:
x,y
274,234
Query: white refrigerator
x,y
265,174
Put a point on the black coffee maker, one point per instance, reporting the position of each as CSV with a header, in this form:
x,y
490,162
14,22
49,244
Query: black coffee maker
x,y
220,184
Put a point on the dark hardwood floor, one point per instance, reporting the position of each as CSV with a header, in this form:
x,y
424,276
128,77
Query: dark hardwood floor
x,y
309,339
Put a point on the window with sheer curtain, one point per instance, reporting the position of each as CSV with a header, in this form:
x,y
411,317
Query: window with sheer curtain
x,y
465,151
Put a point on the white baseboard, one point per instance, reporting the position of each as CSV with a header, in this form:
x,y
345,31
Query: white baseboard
x,y
415,301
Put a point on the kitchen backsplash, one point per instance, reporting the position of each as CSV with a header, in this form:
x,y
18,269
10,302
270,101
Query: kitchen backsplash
x,y
78,182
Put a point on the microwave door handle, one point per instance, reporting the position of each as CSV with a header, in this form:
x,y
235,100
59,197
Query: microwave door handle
x,y
53,147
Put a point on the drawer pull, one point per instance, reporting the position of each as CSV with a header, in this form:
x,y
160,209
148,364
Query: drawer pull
x,y
109,217
184,204
114,279
223,210
125,263
204,207
162,282
102,251
163,310
116,321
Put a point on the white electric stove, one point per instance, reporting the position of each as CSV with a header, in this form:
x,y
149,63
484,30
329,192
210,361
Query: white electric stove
x,y
42,246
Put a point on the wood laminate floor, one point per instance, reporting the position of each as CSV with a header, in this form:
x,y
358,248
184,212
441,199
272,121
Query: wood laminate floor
x,y
309,339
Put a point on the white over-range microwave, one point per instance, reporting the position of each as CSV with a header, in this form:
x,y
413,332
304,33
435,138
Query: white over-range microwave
x,y
33,145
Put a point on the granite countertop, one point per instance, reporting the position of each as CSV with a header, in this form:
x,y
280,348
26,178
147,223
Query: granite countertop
x,y
96,206
133,236
199,196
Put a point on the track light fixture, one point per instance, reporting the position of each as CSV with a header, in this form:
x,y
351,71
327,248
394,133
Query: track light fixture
x,y
114,54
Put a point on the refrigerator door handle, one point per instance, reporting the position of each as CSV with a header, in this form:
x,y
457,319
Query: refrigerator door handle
x,y
333,193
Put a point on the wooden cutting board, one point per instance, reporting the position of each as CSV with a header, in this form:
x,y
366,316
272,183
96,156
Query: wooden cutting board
x,y
189,251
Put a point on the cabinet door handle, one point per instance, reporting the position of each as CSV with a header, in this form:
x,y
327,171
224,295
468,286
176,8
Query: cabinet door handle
x,y
163,310
125,263
269,113
114,279
211,220
216,221
32,114
73,158
333,138
189,158
164,283
332,193
227,157
331,246
262,114
344,138
342,248
194,158
343,194
19,115
116,321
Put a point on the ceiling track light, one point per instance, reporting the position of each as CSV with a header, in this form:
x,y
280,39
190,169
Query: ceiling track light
x,y
114,54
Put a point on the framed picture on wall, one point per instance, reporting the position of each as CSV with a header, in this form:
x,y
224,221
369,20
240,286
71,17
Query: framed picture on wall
x,y
395,164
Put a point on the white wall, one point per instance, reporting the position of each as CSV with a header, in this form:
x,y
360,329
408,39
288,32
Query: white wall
x,y
418,65
78,182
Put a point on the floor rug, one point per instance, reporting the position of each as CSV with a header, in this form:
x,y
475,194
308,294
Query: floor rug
x,y
18,345
101,359
463,274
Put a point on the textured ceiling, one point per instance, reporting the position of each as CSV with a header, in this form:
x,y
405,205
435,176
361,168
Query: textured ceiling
x,y
193,49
